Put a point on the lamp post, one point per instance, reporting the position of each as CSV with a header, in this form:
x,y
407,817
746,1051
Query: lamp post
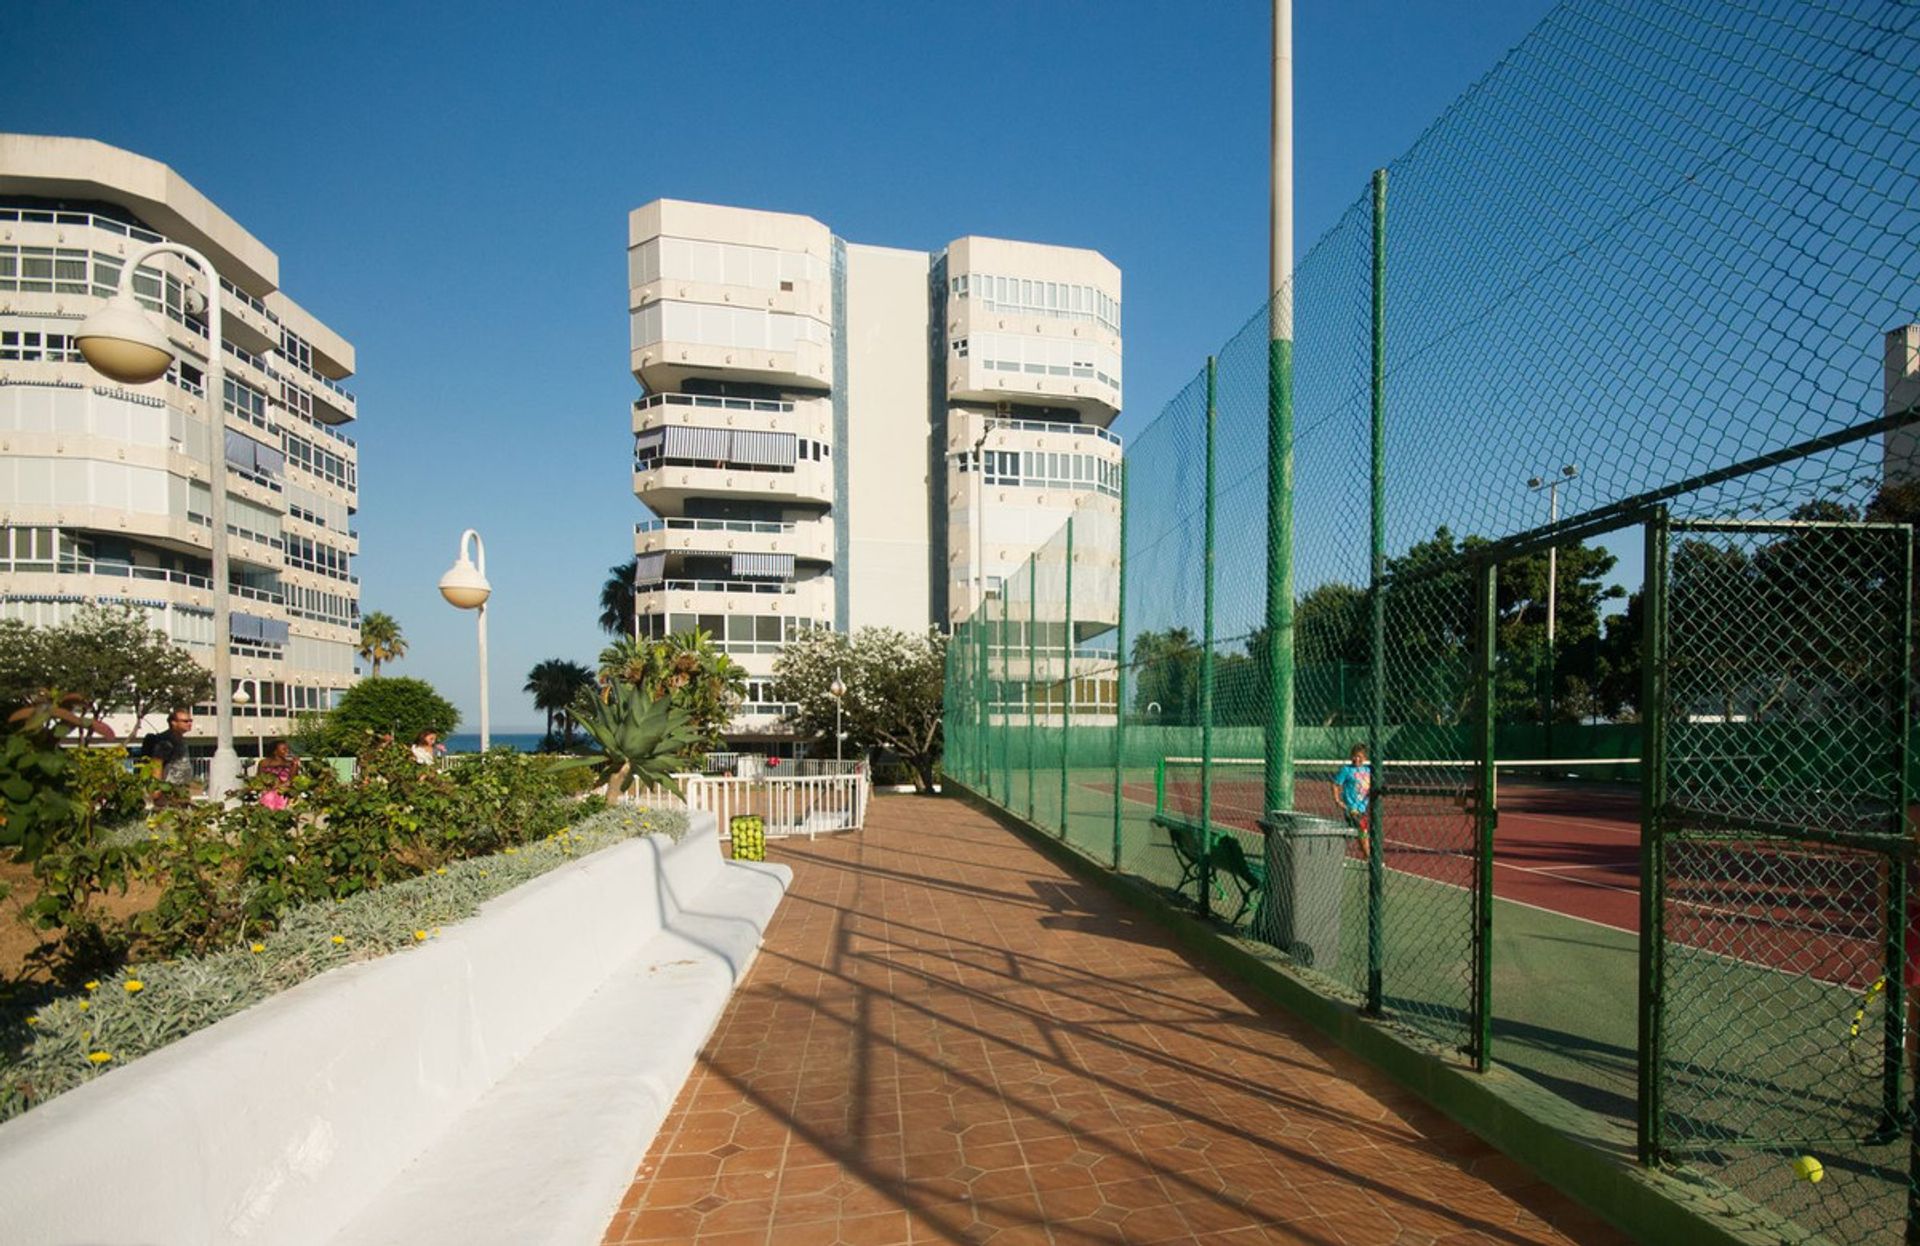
x,y
838,691
1552,485
121,342
243,698
465,586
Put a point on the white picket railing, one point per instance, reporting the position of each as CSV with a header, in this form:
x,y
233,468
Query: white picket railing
x,y
789,805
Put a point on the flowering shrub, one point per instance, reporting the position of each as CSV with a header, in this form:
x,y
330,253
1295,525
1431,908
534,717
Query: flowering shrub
x,y
219,874
120,1016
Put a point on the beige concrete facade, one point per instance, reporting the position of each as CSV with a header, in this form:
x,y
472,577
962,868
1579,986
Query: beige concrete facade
x,y
103,488
806,440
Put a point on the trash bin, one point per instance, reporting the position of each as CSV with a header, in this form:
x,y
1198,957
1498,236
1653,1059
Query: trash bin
x,y
1306,874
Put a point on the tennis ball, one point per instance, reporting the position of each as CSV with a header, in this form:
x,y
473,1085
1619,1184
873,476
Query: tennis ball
x,y
1808,1167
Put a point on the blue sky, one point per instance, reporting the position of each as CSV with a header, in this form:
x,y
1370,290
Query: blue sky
x,y
448,187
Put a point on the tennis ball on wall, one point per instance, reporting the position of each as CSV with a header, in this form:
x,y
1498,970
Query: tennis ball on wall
x,y
1808,1167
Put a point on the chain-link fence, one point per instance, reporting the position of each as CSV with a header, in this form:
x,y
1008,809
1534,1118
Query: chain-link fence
x,y
1578,496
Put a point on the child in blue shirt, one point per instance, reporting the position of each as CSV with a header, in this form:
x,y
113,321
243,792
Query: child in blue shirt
x,y
1353,786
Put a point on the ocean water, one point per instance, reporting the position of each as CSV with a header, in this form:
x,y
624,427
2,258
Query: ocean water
x,y
519,741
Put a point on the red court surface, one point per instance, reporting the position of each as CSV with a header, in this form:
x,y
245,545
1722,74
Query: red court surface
x,y
1569,848
1572,847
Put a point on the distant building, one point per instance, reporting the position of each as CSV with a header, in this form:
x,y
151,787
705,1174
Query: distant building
x,y
807,438
103,493
1902,393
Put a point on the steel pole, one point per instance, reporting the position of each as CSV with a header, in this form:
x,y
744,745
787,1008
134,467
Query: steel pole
x,y
486,738
1206,653
1120,680
1377,718
223,774
1066,700
1278,788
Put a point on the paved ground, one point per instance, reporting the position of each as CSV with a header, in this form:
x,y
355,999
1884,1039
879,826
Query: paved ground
x,y
949,1039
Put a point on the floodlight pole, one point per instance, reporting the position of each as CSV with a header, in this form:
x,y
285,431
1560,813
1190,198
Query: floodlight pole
x,y
1551,484
1278,793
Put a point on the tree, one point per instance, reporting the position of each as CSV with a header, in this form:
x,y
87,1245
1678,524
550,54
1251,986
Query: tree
x,y
555,685
381,640
685,669
1166,677
372,707
616,599
895,682
108,657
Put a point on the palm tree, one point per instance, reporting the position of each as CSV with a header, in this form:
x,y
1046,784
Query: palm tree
x,y
554,685
616,599
381,640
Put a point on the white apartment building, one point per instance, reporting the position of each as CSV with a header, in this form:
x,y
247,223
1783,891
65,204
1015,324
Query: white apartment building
x,y
103,488
814,414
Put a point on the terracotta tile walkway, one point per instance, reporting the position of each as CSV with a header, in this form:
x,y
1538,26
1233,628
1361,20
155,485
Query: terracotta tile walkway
x,y
949,1039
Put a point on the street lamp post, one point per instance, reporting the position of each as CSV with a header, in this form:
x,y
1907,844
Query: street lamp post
x,y
122,343
243,698
1552,485
465,586
838,690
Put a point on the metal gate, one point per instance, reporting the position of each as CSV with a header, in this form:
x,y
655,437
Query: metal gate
x,y
1776,853
1430,877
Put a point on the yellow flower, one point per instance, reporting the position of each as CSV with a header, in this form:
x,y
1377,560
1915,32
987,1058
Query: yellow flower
x,y
134,985
257,947
441,870
33,1021
100,1057
84,1005
511,851
93,986
339,938
419,935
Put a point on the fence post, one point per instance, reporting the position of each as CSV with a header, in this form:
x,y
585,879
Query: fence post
x,y
1206,656
1066,703
1653,779
1377,716
1120,679
983,764
1278,744
1033,621
1006,709
1485,620
1899,897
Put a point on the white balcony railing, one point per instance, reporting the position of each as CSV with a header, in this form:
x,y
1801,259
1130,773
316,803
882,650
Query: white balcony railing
x,y
1054,426
679,524
767,587
711,402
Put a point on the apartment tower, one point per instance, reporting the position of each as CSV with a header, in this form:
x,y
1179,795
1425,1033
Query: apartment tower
x,y
815,412
103,487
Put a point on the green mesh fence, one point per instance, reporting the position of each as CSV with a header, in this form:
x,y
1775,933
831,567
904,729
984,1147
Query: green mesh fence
x,y
1596,432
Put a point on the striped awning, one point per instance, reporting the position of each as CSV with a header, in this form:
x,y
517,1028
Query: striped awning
x,y
706,445
764,449
763,566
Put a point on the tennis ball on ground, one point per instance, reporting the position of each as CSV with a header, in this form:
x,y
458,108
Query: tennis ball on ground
x,y
1808,1167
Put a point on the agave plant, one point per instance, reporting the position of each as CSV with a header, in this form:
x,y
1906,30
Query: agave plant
x,y
640,739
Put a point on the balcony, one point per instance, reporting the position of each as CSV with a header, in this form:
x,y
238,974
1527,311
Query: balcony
x,y
666,484
809,539
757,587
805,417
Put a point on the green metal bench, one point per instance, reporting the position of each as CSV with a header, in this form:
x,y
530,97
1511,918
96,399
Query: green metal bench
x,y
1228,859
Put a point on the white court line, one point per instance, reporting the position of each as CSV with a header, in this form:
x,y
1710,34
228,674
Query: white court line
x,y
1516,815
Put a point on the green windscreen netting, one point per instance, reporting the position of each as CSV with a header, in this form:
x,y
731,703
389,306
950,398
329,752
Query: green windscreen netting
x,y
1595,427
